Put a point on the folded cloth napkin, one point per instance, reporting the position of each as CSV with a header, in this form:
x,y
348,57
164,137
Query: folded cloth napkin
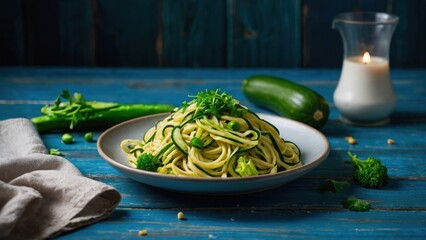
x,y
42,195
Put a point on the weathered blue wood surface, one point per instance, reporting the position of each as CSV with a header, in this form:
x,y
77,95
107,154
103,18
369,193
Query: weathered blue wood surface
x,y
264,33
295,210
195,33
126,34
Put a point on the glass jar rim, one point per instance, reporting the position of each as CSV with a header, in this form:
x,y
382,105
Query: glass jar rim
x,y
367,18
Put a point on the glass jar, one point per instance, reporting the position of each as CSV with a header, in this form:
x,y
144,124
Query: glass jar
x,y
364,94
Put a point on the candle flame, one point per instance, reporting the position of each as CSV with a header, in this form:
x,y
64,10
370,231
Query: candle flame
x,y
366,58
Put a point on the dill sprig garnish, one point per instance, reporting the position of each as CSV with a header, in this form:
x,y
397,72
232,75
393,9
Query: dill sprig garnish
x,y
215,103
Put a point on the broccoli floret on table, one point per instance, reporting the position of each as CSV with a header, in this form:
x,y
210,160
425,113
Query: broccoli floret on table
x,y
369,173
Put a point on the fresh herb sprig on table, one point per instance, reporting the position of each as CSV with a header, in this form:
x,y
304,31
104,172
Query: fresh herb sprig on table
x,y
355,204
335,186
70,112
352,203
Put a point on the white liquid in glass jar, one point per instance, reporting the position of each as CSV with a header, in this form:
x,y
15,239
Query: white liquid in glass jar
x,y
364,93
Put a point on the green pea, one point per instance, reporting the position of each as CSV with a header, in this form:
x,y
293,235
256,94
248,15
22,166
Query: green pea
x,y
234,126
67,138
88,137
197,142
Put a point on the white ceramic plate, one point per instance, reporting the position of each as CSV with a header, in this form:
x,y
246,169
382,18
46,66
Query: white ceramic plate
x,y
312,143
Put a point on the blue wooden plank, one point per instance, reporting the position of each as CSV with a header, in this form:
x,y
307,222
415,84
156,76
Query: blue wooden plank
x,y
12,48
322,81
301,194
264,33
194,33
127,33
256,224
322,46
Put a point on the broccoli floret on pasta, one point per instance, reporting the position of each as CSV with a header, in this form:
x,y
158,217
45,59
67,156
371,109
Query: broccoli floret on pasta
x,y
148,162
245,167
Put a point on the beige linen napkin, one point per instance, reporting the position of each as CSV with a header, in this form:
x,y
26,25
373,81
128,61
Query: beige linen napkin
x,y
41,195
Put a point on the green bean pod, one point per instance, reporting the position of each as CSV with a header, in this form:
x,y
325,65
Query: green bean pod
x,y
98,119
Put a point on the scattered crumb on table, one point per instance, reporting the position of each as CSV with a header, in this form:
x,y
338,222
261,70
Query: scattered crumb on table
x,y
143,232
350,140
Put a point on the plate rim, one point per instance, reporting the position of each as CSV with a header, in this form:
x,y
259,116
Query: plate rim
x,y
309,166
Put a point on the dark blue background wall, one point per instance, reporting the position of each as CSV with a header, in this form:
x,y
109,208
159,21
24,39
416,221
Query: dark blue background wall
x,y
195,33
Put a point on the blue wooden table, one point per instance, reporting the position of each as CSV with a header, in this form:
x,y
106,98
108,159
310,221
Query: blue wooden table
x,y
295,210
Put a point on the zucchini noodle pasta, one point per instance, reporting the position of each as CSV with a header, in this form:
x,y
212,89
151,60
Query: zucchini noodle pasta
x,y
212,136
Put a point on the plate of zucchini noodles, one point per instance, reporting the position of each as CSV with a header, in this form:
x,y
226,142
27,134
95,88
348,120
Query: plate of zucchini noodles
x,y
213,145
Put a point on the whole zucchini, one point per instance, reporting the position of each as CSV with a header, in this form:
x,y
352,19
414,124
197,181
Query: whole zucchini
x,y
287,99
